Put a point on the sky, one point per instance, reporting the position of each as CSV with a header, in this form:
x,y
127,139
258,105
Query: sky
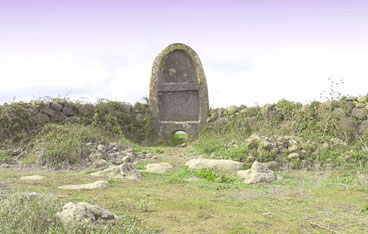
x,y
253,52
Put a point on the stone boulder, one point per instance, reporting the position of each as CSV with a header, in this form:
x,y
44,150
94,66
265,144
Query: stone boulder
x,y
214,164
158,167
82,213
259,173
94,185
123,171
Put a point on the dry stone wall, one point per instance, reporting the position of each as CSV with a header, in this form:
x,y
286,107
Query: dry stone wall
x,y
21,118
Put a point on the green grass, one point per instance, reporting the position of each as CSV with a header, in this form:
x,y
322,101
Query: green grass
x,y
36,214
179,139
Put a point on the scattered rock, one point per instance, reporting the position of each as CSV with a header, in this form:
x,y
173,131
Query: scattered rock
x,y
193,178
83,213
338,141
214,164
99,163
4,165
158,167
293,156
94,185
123,171
359,113
363,127
259,173
33,177
218,180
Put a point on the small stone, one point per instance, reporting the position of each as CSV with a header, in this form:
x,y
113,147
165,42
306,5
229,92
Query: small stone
x,y
259,173
214,164
101,148
123,171
293,148
94,185
359,113
251,159
293,156
218,180
34,177
158,167
99,163
5,165
56,106
360,105
363,127
82,213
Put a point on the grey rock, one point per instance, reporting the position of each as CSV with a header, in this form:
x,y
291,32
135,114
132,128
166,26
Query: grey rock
x,y
359,113
293,156
33,177
363,127
87,110
94,185
360,105
99,163
123,171
214,164
48,111
259,173
84,213
101,148
42,118
4,165
56,106
160,168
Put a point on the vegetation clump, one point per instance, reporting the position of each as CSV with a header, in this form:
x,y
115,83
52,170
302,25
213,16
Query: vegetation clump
x,y
29,213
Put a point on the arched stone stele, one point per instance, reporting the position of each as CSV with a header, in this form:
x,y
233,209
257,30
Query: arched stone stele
x,y
178,96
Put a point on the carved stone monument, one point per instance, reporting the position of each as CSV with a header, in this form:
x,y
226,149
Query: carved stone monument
x,y
178,96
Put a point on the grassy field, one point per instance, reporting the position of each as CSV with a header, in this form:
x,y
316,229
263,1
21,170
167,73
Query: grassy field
x,y
304,202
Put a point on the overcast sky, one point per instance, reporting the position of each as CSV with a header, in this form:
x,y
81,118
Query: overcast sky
x,y
253,52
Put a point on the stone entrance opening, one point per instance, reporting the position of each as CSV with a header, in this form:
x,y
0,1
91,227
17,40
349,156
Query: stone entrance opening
x,y
179,138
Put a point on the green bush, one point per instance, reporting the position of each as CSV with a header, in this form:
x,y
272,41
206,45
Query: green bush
x,y
65,144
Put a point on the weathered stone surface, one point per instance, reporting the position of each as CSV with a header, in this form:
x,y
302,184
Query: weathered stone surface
x,y
359,113
252,122
158,167
56,106
178,92
48,111
99,163
363,127
214,164
259,173
33,177
360,105
87,109
82,213
123,171
94,185
70,109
